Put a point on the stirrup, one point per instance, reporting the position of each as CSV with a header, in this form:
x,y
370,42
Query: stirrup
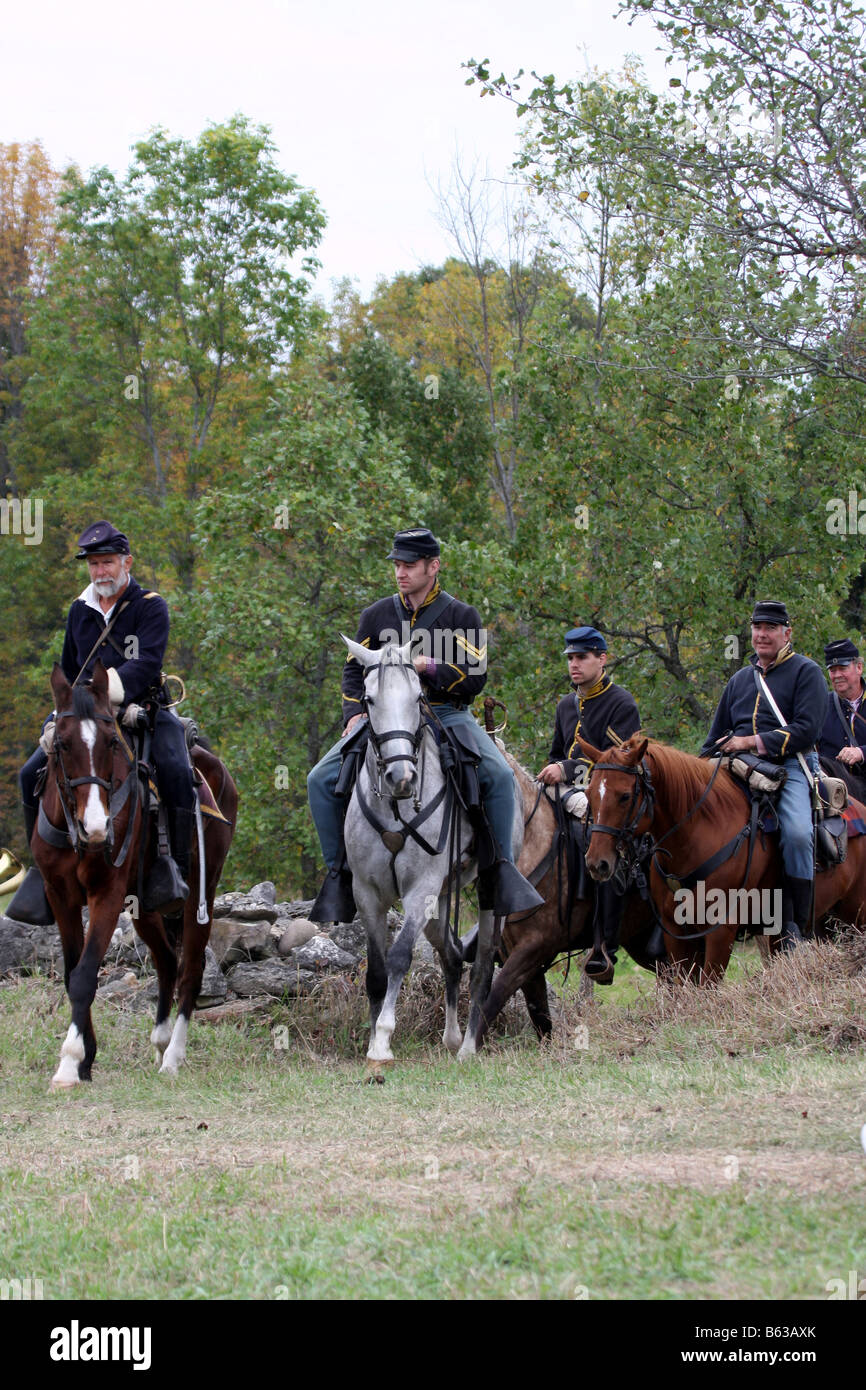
x,y
599,967
30,905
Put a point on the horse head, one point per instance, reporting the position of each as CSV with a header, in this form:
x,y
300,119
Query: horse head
x,y
392,696
620,803
85,740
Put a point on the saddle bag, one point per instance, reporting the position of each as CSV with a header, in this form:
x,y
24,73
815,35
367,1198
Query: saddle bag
x,y
831,845
759,774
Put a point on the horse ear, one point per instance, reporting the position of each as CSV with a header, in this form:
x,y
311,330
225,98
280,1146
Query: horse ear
x,y
99,681
60,687
361,654
589,750
635,751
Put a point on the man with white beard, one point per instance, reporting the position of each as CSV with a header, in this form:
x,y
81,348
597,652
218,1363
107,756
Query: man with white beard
x,y
125,627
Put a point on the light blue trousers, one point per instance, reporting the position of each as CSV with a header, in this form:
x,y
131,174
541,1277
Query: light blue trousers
x,y
794,809
498,788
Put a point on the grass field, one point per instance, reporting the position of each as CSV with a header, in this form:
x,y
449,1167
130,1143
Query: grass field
x,y
667,1145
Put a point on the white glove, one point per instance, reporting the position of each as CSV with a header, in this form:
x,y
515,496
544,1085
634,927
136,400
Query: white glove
x,y
576,804
130,716
46,738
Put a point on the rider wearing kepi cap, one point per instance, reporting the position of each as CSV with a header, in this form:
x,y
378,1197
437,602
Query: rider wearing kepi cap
x,y
125,627
605,715
843,737
746,721
449,648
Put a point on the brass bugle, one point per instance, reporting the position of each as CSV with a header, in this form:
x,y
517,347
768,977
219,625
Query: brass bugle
x,y
12,872
181,697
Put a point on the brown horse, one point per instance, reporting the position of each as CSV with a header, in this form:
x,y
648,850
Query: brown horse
x,y
88,852
531,944
695,812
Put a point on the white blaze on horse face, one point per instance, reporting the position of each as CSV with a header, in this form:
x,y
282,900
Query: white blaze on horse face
x,y
95,818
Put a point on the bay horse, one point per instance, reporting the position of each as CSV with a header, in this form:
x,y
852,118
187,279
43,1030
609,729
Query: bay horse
x,y
86,844
696,814
531,943
409,857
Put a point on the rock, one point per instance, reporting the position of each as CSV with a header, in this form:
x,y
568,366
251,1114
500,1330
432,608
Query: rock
x,y
265,892
296,909
350,937
295,932
28,948
213,985
322,954
236,1008
236,939
244,908
276,978
118,990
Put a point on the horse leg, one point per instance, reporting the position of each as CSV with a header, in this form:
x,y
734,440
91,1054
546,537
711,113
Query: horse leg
x,y
397,962
523,969
479,983
717,954
73,1051
451,957
373,915
163,950
79,1047
195,939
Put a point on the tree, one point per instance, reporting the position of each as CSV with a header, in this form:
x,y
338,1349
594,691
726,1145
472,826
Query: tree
x,y
172,300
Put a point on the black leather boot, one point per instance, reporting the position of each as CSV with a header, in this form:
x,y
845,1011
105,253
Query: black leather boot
x,y
609,907
167,886
503,888
335,902
30,904
796,911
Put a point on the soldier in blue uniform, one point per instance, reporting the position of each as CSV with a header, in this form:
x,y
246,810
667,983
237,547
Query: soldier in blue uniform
x,y
133,626
452,665
745,720
843,737
605,715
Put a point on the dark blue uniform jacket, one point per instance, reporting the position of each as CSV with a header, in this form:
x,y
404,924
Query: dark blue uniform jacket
x,y
847,731
797,685
606,716
135,647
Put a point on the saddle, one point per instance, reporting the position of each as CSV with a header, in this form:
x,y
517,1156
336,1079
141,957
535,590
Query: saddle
x,y
459,756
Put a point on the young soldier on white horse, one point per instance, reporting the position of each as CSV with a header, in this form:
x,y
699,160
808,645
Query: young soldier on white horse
x,y
449,654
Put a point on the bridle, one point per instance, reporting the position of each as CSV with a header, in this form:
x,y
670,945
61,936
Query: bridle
x,y
629,846
118,795
377,739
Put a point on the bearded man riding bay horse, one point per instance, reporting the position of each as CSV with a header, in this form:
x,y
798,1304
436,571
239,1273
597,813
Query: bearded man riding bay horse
x,y
117,622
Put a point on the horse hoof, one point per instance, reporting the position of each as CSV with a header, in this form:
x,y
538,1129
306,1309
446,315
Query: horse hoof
x,y
375,1070
61,1084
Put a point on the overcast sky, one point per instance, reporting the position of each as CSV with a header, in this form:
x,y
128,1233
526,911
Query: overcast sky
x,y
367,101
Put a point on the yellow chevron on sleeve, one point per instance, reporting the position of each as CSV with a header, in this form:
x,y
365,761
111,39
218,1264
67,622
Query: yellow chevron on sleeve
x,y
461,676
614,736
479,653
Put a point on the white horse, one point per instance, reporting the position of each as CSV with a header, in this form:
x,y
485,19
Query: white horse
x,y
401,822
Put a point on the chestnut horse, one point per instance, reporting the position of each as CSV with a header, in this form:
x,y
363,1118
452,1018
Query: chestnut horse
x,y
694,811
532,943
88,852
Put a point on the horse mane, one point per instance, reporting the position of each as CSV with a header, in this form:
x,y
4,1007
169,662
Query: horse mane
x,y
685,780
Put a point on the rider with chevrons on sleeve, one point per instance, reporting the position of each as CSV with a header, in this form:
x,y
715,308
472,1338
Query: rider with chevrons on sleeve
x,y
745,721
843,738
132,653
452,666
605,715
